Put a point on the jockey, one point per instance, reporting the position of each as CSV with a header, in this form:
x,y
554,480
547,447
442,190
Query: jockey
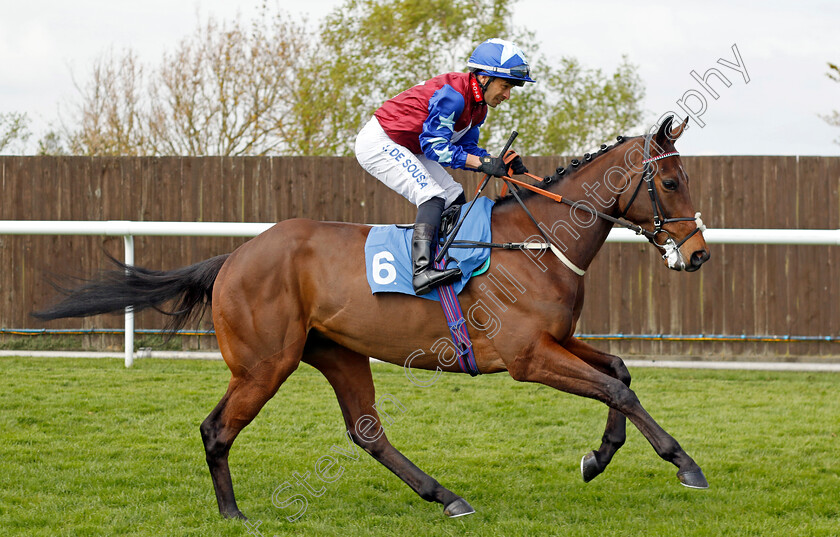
x,y
414,136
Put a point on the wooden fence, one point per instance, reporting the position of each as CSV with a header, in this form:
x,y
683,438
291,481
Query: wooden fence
x,y
742,290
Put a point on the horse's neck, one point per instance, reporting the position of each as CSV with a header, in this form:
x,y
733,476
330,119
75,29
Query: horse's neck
x,y
579,233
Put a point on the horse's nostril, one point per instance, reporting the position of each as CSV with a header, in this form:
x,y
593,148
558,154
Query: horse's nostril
x,y
699,257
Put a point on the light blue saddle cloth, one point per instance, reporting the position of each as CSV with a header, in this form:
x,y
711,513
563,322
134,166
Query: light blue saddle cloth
x,y
388,253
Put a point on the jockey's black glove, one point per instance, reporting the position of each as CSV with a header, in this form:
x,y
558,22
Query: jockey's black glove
x,y
517,166
493,166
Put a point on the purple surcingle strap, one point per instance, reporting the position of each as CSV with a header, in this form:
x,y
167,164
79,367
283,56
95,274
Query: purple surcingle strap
x,y
457,325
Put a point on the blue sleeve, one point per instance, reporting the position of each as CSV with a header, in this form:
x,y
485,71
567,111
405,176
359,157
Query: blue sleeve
x,y
469,142
445,107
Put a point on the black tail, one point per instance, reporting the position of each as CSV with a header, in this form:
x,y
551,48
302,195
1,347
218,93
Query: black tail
x,y
140,288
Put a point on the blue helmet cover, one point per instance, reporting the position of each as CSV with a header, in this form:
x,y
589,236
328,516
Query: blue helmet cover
x,y
500,58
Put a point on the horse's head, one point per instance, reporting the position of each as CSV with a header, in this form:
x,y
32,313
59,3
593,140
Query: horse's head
x,y
664,206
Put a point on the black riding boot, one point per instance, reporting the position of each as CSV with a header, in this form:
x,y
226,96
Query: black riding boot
x,y
426,276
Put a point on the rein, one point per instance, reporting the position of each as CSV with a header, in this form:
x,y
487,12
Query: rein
x,y
638,230
659,220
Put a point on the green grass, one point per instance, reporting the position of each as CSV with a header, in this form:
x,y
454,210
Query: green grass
x,y
53,342
88,447
39,342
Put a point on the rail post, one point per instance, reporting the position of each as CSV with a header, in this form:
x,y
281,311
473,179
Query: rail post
x,y
129,312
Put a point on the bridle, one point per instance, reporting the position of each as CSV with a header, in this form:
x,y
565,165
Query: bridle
x,y
659,219
671,247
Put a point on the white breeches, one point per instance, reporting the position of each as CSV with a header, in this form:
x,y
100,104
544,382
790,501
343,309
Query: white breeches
x,y
413,176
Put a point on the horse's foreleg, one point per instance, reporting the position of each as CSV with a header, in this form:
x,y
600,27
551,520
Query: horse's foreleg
x,y
349,374
550,364
245,397
615,433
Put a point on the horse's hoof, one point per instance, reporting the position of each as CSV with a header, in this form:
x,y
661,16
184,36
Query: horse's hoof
x,y
459,507
693,479
589,468
235,514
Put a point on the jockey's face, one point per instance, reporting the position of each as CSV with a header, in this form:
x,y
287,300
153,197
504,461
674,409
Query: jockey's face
x,y
497,91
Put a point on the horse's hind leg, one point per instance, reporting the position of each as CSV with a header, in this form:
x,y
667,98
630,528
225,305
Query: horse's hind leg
x,y
349,374
247,392
615,433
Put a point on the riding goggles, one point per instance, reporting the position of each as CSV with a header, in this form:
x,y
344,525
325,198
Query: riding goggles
x,y
519,71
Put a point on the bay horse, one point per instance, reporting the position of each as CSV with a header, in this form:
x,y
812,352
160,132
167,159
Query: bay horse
x,y
298,293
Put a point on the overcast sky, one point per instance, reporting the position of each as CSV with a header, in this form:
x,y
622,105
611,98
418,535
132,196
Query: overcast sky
x,y
784,48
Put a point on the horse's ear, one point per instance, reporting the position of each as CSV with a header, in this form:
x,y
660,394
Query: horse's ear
x,y
667,134
677,132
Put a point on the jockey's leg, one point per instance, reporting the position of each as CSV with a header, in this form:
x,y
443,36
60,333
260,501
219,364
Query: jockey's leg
x,y
424,183
413,176
426,276
453,191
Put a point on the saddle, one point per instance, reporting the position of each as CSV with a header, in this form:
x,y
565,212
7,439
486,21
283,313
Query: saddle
x,y
448,221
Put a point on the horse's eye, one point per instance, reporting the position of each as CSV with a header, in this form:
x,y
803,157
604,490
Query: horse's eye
x,y
669,184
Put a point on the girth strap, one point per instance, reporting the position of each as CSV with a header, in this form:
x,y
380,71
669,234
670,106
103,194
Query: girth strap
x,y
457,325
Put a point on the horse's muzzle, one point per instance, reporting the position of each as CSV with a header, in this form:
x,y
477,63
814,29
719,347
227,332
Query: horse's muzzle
x,y
697,259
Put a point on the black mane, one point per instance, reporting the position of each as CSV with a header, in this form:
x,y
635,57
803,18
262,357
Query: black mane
x,y
563,172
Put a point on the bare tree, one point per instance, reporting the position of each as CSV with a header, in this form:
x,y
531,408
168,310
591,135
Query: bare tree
x,y
14,131
52,143
227,89
108,119
833,118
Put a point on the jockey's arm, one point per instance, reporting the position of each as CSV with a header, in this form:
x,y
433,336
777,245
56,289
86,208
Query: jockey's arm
x,y
473,161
